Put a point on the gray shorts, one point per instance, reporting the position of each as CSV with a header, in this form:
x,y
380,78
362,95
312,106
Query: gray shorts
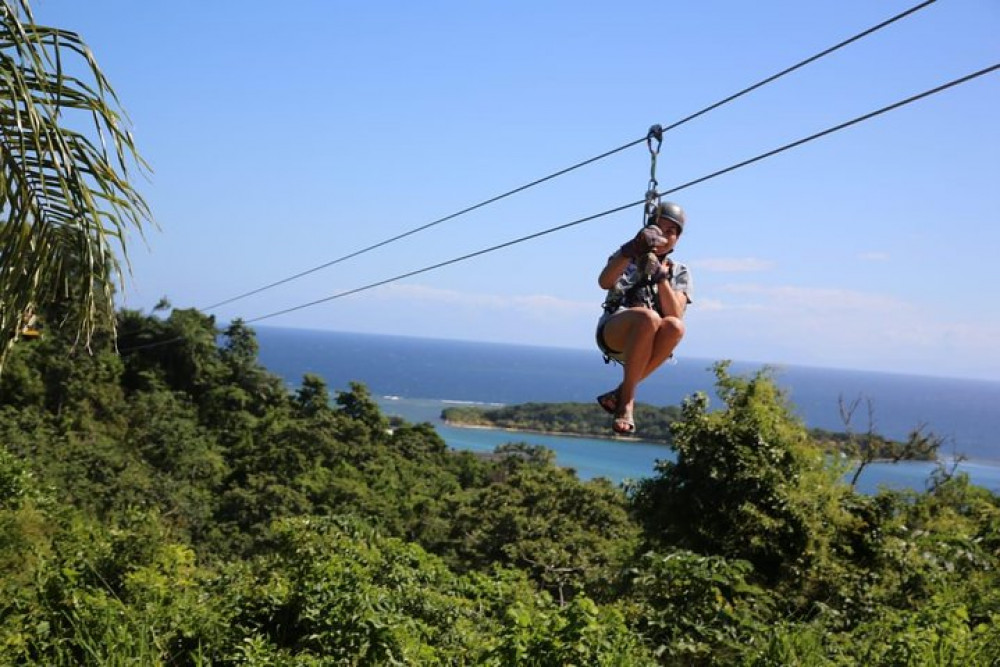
x,y
602,345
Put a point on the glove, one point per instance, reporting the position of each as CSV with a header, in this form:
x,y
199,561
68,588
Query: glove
x,y
654,269
664,271
648,237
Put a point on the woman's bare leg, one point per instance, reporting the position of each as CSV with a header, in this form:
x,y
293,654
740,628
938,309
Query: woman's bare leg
x,y
634,332
647,340
668,335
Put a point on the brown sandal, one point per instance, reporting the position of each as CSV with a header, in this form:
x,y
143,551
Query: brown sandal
x,y
609,401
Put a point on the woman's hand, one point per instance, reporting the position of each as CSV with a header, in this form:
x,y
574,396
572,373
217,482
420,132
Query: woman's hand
x,y
649,239
654,268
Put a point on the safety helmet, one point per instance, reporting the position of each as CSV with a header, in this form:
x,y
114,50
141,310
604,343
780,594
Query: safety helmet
x,y
671,211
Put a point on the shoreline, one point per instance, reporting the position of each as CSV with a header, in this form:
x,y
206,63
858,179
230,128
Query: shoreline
x,y
639,441
558,434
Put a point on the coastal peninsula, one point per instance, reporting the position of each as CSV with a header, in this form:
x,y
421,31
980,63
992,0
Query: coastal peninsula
x,y
590,421
579,419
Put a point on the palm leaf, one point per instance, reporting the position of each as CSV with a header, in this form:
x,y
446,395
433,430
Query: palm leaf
x,y
67,204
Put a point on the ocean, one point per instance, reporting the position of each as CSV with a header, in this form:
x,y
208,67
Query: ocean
x,y
416,378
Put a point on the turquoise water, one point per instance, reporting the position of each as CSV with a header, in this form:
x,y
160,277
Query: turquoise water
x,y
619,460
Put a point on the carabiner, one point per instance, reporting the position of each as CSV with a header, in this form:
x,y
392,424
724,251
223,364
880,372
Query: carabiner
x,y
655,132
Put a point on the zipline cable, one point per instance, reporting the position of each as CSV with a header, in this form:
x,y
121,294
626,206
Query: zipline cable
x,y
696,181
578,165
837,128
789,70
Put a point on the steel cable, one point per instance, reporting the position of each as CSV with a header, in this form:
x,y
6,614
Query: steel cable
x,y
676,124
715,174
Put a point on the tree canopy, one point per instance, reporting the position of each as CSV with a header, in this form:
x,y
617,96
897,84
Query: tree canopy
x,y
179,504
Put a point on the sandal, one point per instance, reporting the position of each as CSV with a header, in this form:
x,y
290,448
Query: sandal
x,y
623,425
609,401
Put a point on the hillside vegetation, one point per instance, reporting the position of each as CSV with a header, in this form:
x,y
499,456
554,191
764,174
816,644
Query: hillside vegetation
x,y
176,504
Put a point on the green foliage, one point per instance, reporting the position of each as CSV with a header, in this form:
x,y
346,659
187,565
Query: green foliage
x,y
872,447
570,536
17,484
697,609
335,590
803,645
748,486
743,483
179,352
179,505
359,405
76,592
313,397
580,633
938,634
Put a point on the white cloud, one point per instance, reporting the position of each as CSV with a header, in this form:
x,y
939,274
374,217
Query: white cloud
x,y
711,304
873,256
733,264
837,327
794,299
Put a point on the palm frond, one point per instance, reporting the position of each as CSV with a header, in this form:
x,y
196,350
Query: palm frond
x,y
67,203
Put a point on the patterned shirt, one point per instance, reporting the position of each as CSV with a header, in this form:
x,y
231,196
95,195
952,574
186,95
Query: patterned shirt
x,y
632,289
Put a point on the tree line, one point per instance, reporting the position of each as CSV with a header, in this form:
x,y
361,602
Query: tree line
x,y
176,503
569,418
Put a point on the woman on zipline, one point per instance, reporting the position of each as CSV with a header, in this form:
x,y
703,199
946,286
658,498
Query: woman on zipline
x,y
643,313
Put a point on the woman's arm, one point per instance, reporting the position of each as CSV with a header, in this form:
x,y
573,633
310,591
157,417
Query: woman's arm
x,y
649,238
613,270
673,284
673,303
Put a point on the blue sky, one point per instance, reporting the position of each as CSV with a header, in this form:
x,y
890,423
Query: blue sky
x,y
285,135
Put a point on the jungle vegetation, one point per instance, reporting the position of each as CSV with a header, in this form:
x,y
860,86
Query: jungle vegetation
x,y
173,502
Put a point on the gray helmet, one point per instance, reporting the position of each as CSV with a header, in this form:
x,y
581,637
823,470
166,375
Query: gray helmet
x,y
671,211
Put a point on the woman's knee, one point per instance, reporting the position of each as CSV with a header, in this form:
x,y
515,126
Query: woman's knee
x,y
637,322
648,319
672,327
624,329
